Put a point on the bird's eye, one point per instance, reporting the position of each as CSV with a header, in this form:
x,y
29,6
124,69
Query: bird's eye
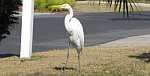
x,y
65,9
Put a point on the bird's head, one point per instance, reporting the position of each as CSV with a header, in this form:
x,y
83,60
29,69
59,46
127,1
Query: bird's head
x,y
65,7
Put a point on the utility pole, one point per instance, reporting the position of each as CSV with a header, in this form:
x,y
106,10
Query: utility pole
x,y
27,29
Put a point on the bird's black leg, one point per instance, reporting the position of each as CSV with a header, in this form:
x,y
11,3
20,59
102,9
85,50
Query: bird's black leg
x,y
67,54
78,51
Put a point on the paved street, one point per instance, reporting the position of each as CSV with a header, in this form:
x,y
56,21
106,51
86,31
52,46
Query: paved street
x,y
49,31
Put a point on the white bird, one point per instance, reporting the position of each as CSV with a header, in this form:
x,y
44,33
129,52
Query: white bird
x,y
75,32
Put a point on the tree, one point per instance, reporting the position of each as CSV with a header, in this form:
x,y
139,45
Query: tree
x,y
7,19
126,6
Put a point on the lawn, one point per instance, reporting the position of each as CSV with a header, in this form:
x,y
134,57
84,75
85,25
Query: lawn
x,y
95,61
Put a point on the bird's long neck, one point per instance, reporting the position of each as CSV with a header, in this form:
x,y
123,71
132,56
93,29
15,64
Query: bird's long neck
x,y
69,15
68,20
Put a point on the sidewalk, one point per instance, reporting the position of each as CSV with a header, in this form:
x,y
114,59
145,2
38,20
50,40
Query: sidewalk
x,y
134,41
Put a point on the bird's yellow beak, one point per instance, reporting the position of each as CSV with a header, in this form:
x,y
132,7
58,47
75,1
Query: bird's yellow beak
x,y
58,6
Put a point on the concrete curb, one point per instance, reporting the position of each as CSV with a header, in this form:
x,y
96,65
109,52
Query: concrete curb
x,y
133,41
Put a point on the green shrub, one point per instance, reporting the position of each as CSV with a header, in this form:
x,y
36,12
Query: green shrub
x,y
40,4
50,4
55,2
71,2
58,2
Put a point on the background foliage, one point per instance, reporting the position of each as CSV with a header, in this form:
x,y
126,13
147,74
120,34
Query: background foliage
x,y
7,19
48,5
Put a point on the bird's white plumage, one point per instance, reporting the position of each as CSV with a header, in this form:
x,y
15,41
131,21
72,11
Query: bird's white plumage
x,y
75,30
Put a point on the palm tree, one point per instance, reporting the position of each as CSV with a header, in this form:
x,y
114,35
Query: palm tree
x,y
124,6
7,10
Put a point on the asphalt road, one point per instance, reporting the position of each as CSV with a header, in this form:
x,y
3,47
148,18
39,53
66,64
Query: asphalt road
x,y
49,31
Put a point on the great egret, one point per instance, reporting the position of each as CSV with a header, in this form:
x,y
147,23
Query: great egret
x,y
75,32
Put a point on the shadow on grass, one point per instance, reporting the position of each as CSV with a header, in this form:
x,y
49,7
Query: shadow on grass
x,y
8,55
64,68
144,57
